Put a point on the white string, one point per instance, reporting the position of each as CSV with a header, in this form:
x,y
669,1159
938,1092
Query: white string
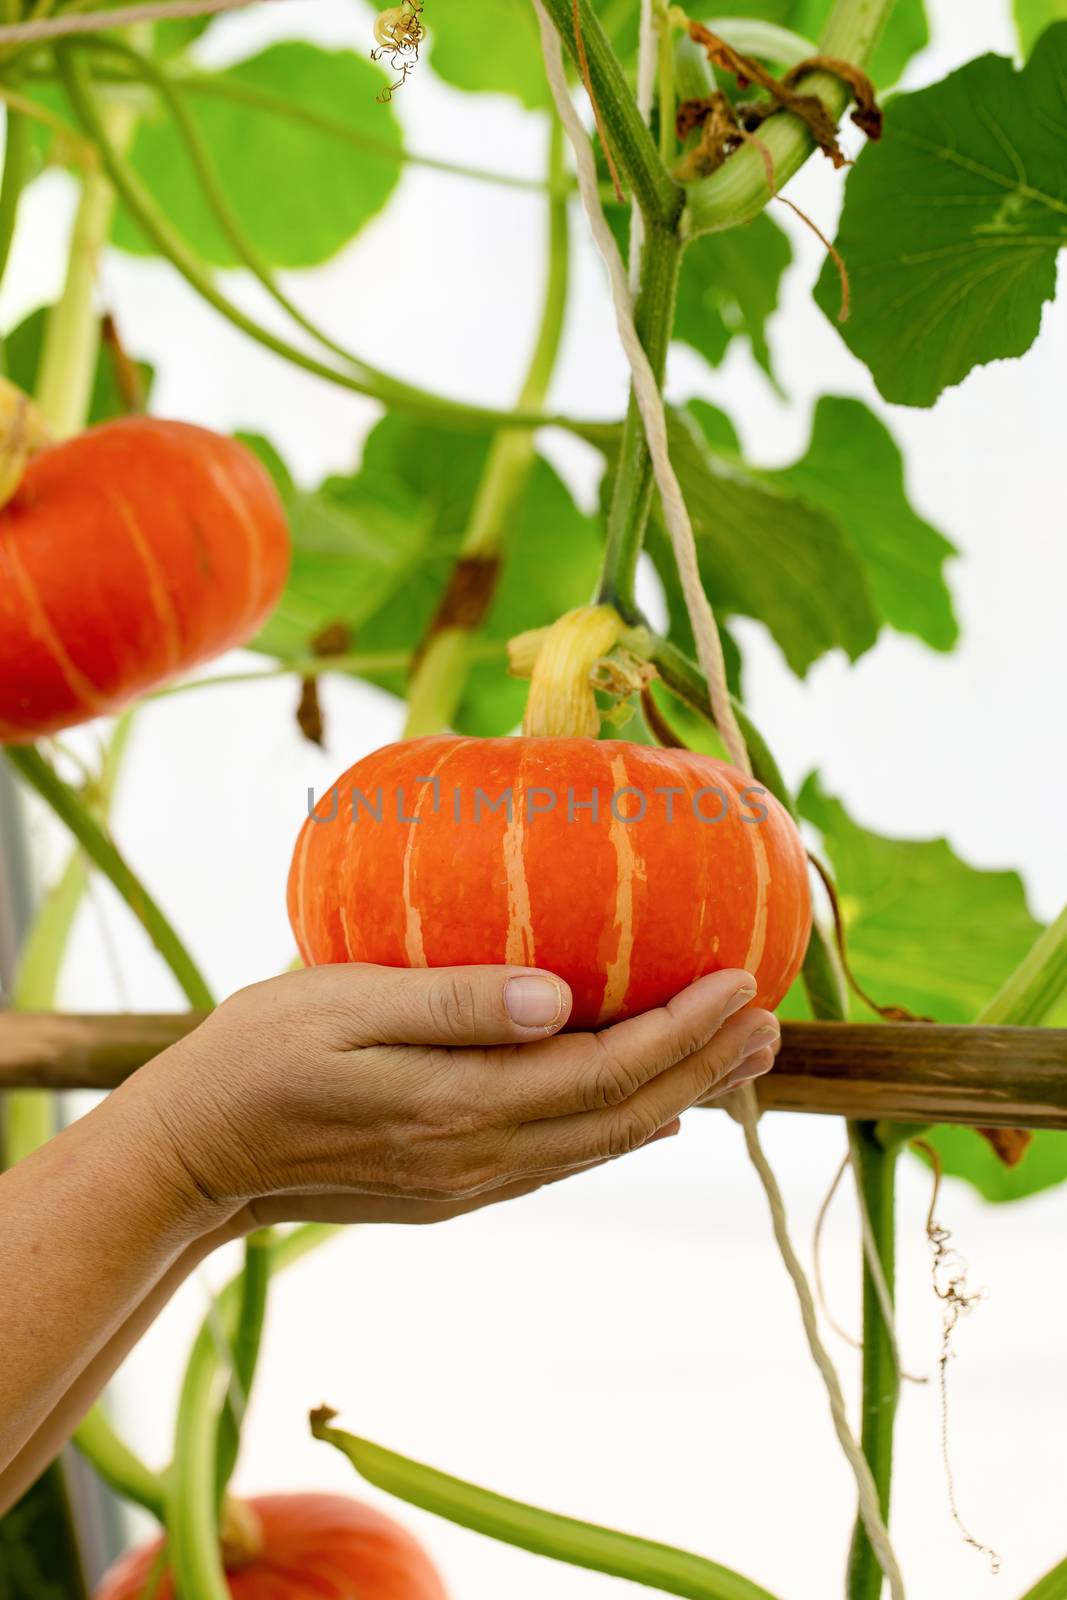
x,y
650,403
709,651
121,17
646,84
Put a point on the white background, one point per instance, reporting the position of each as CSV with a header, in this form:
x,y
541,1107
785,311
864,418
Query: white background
x,y
626,1347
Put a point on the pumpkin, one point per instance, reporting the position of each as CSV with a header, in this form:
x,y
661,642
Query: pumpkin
x,y
627,870
128,555
312,1547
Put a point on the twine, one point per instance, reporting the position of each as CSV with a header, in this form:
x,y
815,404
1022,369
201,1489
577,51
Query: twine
x,y
709,651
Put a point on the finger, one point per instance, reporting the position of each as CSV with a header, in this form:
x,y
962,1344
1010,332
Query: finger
x,y
590,1071
616,1130
754,1066
449,1006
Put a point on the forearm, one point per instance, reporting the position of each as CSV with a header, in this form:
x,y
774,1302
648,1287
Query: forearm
x,y
98,1229
58,1426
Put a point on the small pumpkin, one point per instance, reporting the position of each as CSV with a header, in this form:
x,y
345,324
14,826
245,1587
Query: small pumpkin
x,y
128,555
627,870
307,1547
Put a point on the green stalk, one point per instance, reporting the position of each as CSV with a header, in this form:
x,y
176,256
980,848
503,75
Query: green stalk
x,y
438,682
875,1167
580,1544
192,1507
255,1281
71,809
118,1466
17,149
631,498
72,335
366,380
655,191
751,36
1036,984
1053,1586
668,99
738,191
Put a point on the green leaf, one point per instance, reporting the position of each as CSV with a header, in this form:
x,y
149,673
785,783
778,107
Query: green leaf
x,y
374,551
489,46
271,124
952,224
767,554
925,930
545,1533
854,471
1032,17
352,549
22,355
39,1553
929,932
729,287
965,1154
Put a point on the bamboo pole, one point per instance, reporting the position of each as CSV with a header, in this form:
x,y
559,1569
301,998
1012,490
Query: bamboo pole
x,y
893,1072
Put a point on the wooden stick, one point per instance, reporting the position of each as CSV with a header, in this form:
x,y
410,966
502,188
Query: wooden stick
x,y
896,1072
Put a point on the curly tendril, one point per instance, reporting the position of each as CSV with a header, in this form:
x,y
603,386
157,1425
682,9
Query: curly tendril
x,y
399,32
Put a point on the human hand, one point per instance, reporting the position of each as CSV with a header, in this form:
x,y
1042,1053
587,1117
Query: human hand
x,y
359,1093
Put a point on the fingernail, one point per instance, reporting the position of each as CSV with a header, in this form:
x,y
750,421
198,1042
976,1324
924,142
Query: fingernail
x,y
745,1073
668,1132
763,1039
740,997
533,1002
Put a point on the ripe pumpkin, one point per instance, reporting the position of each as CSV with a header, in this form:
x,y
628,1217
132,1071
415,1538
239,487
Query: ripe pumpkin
x,y
314,1547
629,905
128,555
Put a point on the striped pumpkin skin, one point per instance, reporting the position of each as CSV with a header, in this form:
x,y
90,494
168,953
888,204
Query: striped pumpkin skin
x,y
315,1547
128,555
628,912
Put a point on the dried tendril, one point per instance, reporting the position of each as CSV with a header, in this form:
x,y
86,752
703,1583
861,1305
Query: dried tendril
x,y
399,31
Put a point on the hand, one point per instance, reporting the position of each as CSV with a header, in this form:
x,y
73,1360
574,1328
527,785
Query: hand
x,y
359,1093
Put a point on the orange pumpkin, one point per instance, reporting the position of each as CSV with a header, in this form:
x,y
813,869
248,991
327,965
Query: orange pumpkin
x,y
629,871
314,1547
128,555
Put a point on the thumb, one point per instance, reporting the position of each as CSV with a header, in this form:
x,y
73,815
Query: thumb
x,y
457,1005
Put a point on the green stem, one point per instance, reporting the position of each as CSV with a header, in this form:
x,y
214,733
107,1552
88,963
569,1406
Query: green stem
x,y
438,683
751,36
631,498
738,191
366,380
1036,984
71,809
215,195
118,1466
1053,1586
72,334
655,191
255,1281
580,1544
668,100
192,1507
17,148
875,1167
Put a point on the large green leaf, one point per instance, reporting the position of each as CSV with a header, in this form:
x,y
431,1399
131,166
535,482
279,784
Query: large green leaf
x,y
729,286
352,549
374,551
929,932
854,471
952,224
1032,17
300,145
765,552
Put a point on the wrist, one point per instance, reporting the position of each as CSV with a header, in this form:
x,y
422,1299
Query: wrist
x,y
164,1138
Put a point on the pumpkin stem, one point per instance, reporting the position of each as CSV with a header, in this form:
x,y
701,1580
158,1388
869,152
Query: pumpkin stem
x,y
240,1535
24,432
563,663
